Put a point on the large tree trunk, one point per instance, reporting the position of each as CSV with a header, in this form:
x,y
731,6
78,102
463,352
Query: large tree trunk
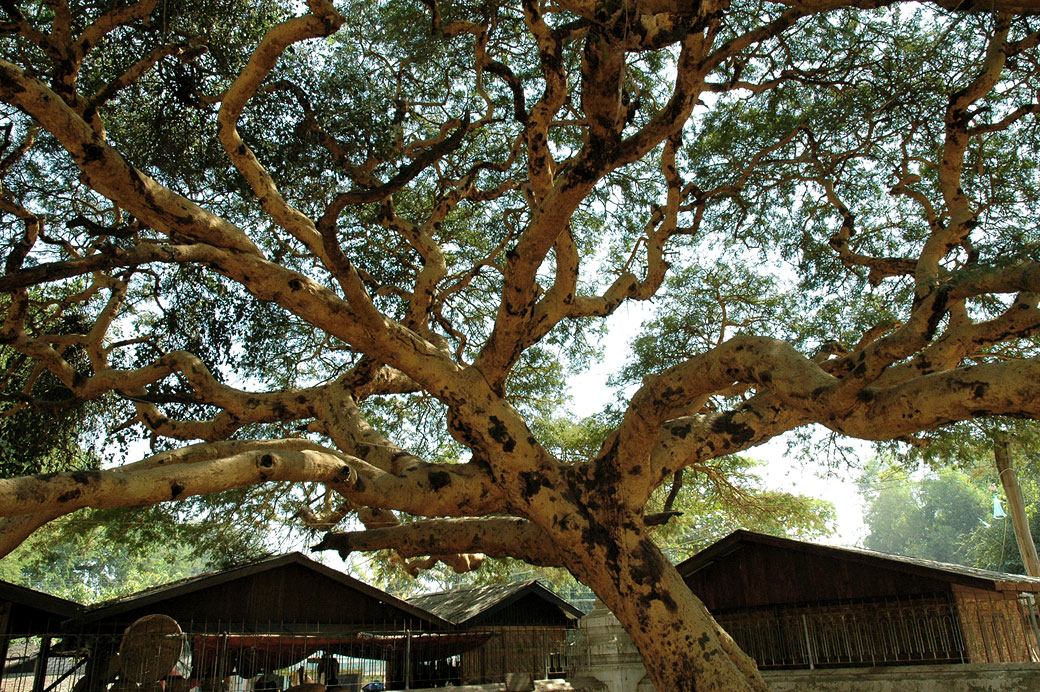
x,y
682,646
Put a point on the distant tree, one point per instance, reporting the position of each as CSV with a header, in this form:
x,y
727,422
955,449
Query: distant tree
x,y
932,517
993,542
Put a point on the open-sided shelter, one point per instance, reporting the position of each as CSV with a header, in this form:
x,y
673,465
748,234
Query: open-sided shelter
x,y
527,626
287,614
791,603
27,620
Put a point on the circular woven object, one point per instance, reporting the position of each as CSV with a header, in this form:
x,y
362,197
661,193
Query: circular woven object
x,y
150,648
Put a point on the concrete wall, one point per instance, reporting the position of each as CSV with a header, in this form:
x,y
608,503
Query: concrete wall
x,y
972,677
539,686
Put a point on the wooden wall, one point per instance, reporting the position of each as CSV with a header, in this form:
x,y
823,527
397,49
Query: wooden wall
x,y
760,575
531,609
289,594
512,650
993,626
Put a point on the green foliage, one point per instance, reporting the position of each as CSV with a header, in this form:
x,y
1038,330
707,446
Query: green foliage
x,y
993,543
700,307
946,512
933,517
93,556
729,495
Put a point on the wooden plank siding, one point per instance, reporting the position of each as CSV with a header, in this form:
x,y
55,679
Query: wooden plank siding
x,y
291,594
762,575
796,604
994,626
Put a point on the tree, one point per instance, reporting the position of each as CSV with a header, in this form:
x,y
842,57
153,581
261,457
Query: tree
x,y
946,514
428,211
933,518
102,554
699,510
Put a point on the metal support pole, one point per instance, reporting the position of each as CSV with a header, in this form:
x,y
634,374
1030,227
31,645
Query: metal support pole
x,y
808,644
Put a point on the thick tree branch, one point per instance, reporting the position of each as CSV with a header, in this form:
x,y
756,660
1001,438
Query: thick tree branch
x,y
492,536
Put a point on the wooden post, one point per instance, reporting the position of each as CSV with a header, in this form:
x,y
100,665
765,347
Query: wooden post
x,y
5,634
40,673
1016,508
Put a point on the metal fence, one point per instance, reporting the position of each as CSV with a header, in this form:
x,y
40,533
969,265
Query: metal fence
x,y
211,659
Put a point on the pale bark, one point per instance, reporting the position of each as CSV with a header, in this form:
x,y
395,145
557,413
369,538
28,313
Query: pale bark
x,y
1017,508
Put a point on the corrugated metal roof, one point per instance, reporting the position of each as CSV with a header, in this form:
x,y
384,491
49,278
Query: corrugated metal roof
x,y
999,581
462,605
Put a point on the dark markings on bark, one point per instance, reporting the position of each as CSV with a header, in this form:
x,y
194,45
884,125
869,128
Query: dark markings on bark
x,y
85,477
739,433
175,490
69,495
646,569
980,390
533,483
267,461
598,537
439,479
92,152
669,395
938,310
681,431
500,434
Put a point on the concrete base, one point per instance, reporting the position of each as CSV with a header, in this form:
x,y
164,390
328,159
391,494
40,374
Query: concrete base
x,y
539,686
971,677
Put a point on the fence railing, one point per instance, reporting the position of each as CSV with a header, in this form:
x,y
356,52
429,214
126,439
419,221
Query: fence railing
x,y
209,660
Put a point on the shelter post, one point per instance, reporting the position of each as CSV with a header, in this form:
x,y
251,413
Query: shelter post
x,y
5,634
40,672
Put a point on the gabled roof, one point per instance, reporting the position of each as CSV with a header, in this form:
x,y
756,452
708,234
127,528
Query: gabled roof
x,y
158,594
462,606
958,574
40,604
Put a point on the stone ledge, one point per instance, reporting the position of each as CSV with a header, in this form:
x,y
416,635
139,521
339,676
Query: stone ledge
x,y
539,686
953,670
961,677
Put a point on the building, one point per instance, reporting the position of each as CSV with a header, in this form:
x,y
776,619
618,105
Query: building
x,y
793,604
281,620
526,623
28,620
